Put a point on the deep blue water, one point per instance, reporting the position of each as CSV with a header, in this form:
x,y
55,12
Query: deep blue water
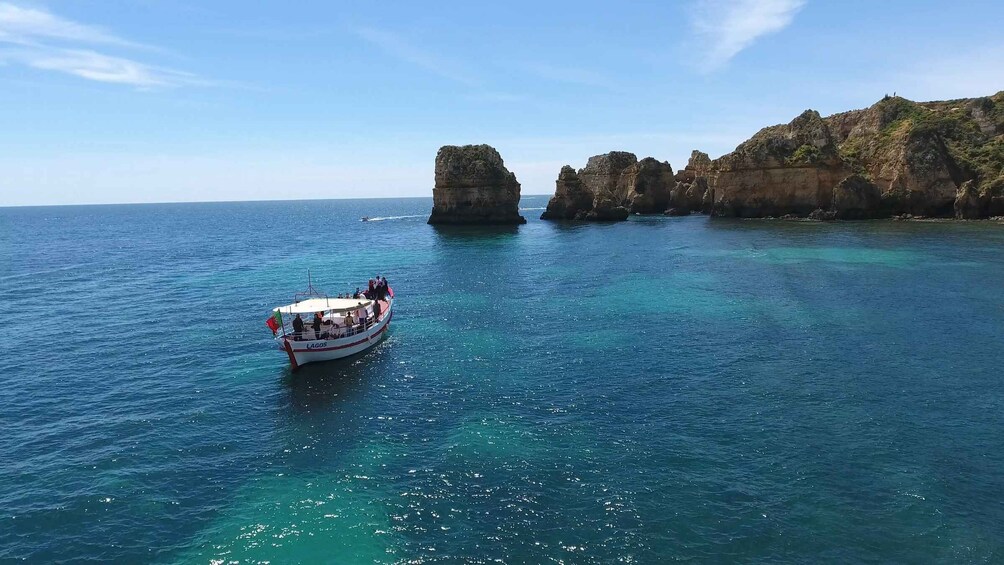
x,y
656,390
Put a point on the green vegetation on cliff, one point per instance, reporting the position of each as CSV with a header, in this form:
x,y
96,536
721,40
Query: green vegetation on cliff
x,y
902,157
971,131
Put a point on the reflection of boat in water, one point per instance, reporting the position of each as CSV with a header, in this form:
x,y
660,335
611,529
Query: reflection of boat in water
x,y
346,326
365,219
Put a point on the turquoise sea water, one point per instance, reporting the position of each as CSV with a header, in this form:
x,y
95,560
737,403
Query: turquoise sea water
x,y
664,389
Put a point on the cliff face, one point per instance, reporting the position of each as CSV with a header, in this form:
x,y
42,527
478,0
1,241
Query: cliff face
x,y
473,186
789,169
650,185
615,184
571,200
692,192
896,157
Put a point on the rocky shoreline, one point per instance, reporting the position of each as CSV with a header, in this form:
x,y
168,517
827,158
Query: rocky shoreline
x,y
896,159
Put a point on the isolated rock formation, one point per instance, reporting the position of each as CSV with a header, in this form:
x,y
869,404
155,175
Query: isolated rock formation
x,y
473,186
895,158
615,184
571,200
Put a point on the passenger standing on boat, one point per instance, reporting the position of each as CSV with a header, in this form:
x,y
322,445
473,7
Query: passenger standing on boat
x,y
328,333
349,322
357,294
317,325
371,293
376,311
297,328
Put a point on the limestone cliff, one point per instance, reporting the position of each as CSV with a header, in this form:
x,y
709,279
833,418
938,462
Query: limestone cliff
x,y
787,169
473,186
692,192
611,186
896,157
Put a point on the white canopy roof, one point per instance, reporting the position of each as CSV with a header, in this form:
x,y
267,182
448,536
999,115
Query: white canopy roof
x,y
312,305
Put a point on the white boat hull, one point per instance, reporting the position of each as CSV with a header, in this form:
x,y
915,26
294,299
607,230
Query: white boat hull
x,y
311,351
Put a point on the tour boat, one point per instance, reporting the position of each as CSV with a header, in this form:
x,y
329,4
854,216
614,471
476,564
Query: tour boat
x,y
369,319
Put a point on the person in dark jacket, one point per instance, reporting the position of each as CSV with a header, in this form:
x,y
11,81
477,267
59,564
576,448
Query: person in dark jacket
x,y
317,325
297,328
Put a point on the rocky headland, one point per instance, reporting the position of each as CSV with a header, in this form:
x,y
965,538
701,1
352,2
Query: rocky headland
x,y
616,184
897,158
473,186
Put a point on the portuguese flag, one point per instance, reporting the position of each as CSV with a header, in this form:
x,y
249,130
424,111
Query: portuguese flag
x,y
275,322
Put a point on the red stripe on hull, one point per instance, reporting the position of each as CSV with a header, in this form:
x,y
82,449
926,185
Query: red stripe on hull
x,y
292,357
383,329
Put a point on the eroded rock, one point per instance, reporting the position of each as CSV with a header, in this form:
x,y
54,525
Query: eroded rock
x,y
571,200
610,187
896,158
473,186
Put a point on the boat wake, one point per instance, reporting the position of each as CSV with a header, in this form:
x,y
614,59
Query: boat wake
x,y
385,218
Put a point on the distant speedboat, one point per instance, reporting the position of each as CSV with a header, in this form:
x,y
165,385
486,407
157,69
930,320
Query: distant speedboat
x,y
348,326
365,219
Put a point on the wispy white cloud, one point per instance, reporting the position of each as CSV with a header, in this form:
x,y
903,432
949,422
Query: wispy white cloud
x,y
400,48
99,67
23,25
726,27
45,41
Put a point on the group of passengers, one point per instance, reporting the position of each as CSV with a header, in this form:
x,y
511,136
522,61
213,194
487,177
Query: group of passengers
x,y
351,322
378,290
349,325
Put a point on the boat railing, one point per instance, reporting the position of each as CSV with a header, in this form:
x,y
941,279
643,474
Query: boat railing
x,y
341,331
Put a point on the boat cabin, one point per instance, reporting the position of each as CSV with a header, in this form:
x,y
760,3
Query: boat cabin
x,y
328,318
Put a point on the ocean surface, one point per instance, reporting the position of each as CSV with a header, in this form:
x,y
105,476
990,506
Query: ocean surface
x,y
658,390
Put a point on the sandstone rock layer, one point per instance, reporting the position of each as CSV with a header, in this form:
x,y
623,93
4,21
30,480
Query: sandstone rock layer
x,y
613,185
473,186
897,157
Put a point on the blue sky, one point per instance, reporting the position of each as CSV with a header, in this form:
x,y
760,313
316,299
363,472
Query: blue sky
x,y
156,100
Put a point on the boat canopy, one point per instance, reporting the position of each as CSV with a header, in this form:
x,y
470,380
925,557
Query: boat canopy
x,y
312,305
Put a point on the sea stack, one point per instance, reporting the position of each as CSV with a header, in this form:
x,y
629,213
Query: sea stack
x,y
473,187
613,185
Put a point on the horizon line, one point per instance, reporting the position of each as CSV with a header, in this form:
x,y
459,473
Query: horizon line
x,y
12,206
